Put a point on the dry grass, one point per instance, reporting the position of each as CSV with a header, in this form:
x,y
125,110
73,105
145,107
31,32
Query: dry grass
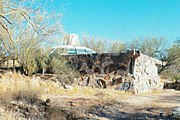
x,y
88,92
10,115
29,90
17,87
15,83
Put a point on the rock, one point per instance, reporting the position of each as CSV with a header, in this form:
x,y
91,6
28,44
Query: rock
x,y
68,87
101,83
126,86
23,107
117,80
107,77
146,75
35,108
1,110
48,100
86,80
14,103
176,112
175,86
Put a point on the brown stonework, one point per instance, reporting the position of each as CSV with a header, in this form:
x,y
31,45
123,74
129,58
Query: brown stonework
x,y
129,71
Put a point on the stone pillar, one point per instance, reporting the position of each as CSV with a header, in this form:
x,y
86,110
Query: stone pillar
x,y
146,75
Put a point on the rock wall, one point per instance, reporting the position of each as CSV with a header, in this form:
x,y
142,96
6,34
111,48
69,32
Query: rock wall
x,y
129,71
105,63
175,86
146,75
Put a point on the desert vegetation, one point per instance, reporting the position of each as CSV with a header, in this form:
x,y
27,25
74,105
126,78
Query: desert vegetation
x,y
101,45
24,97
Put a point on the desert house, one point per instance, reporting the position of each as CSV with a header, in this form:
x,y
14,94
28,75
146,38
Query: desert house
x,y
128,71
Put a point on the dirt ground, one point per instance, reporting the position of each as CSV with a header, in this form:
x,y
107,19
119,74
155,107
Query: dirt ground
x,y
26,98
156,105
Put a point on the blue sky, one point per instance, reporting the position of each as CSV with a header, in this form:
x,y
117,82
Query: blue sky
x,y
122,20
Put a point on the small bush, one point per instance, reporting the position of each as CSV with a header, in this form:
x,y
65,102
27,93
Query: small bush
x,y
60,65
58,113
28,96
171,75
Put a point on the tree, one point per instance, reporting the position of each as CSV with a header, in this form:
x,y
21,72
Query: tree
x,y
171,69
27,16
116,46
101,45
173,56
66,39
153,47
25,27
96,44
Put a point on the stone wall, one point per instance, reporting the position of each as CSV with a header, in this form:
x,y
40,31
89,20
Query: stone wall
x,y
175,86
146,75
102,63
128,71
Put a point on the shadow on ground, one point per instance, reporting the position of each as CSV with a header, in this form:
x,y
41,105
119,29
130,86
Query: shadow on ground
x,y
118,111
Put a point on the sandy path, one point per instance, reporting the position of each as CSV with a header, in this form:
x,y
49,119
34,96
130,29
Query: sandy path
x,y
168,98
142,106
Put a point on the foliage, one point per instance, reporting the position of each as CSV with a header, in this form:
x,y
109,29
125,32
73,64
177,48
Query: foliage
x,y
171,69
31,57
20,23
66,39
116,46
25,28
99,45
59,65
170,74
174,53
34,59
153,47
96,44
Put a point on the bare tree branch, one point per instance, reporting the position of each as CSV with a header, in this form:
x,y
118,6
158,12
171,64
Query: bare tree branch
x,y
5,19
8,32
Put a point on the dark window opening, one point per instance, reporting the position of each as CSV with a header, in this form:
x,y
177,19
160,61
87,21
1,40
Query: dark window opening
x,y
131,66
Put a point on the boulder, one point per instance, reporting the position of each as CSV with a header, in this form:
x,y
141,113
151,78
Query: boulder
x,y
176,112
118,79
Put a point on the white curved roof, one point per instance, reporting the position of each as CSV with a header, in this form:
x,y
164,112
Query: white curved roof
x,y
76,48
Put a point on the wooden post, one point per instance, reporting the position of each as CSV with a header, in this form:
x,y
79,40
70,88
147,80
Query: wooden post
x,y
7,63
14,65
43,70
